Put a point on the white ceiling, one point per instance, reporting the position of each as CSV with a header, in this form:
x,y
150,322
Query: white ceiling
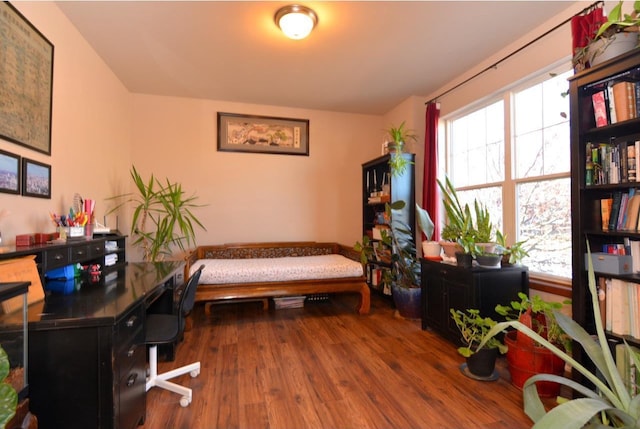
x,y
363,57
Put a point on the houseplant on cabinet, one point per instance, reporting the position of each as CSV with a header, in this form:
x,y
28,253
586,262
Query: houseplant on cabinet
x,y
399,137
430,249
607,403
162,216
480,361
511,254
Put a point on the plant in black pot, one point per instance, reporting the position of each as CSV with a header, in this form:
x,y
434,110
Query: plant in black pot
x,y
480,361
511,254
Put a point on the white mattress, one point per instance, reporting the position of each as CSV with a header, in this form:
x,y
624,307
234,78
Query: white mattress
x,y
223,271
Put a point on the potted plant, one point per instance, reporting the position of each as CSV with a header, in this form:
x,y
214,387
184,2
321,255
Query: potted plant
x,y
483,228
526,357
430,249
606,402
162,216
511,254
616,35
457,217
480,361
399,136
8,394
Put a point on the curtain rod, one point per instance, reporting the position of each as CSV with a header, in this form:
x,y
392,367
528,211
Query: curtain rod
x,y
495,65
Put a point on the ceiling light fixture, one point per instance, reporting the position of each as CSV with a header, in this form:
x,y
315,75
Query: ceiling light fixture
x,y
296,21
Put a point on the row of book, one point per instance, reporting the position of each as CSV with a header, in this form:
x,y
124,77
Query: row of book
x,y
611,163
620,306
621,211
616,102
626,365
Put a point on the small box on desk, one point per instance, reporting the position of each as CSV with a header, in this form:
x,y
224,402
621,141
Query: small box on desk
x,y
608,263
25,240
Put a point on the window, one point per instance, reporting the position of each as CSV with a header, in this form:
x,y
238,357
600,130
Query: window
x,y
512,154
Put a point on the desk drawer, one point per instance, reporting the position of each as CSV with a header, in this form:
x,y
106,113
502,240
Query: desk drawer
x,y
79,253
56,258
96,249
129,326
130,353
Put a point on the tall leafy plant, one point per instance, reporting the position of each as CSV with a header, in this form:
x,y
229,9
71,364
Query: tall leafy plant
x,y
162,216
607,404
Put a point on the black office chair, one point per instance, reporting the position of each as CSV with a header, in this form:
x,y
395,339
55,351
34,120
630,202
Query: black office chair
x,y
167,328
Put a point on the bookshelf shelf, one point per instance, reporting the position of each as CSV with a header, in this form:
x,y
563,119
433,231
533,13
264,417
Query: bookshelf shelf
x,y
619,139
376,177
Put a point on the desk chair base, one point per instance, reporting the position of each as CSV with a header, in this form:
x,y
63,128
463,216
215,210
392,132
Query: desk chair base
x,y
160,380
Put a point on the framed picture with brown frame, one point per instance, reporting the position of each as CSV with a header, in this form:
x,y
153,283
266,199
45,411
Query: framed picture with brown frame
x,y
26,82
10,168
36,179
262,134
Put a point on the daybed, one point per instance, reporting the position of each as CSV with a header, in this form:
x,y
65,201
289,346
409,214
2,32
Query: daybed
x,y
269,270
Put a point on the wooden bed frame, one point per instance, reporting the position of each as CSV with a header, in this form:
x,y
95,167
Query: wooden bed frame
x,y
215,292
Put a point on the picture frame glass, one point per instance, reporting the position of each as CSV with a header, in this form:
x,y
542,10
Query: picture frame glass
x,y
262,134
36,179
10,173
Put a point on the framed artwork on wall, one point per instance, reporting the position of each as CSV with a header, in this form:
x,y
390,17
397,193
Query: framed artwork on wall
x,y
9,173
26,82
262,134
36,179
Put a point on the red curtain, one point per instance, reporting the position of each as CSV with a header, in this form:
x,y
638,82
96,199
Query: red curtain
x,y
429,184
585,26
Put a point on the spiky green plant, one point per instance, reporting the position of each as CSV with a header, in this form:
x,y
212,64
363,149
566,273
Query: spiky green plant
x,y
607,404
162,216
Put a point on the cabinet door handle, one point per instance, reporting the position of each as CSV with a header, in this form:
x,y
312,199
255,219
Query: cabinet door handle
x,y
131,321
132,379
58,257
132,350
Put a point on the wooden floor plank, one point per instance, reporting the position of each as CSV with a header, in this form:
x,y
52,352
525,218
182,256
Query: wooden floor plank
x,y
324,366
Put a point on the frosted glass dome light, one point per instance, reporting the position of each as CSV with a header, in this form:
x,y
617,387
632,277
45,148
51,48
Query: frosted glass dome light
x,y
296,21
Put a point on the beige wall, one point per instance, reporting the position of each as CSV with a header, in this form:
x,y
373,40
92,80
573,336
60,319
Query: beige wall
x,y
259,197
100,130
90,131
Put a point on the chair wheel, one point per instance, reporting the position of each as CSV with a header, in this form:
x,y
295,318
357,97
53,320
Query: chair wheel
x,y
194,373
184,402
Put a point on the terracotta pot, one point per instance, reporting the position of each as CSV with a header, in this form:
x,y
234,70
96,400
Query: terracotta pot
x,y
431,249
450,248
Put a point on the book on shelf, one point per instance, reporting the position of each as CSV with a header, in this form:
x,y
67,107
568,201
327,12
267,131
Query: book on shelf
x,y
611,105
600,109
624,100
626,366
631,163
615,211
621,306
605,212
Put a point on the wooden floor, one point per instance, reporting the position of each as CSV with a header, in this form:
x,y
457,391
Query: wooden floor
x,y
324,366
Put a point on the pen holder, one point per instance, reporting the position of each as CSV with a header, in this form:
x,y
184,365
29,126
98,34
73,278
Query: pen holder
x,y
76,231
88,230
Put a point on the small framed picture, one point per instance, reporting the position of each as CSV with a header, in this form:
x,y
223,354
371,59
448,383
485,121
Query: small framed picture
x,y
9,173
36,179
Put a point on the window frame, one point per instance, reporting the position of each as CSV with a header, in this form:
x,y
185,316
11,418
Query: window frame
x,y
554,283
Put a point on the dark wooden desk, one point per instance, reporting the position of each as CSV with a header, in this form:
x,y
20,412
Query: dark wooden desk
x,y
87,358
